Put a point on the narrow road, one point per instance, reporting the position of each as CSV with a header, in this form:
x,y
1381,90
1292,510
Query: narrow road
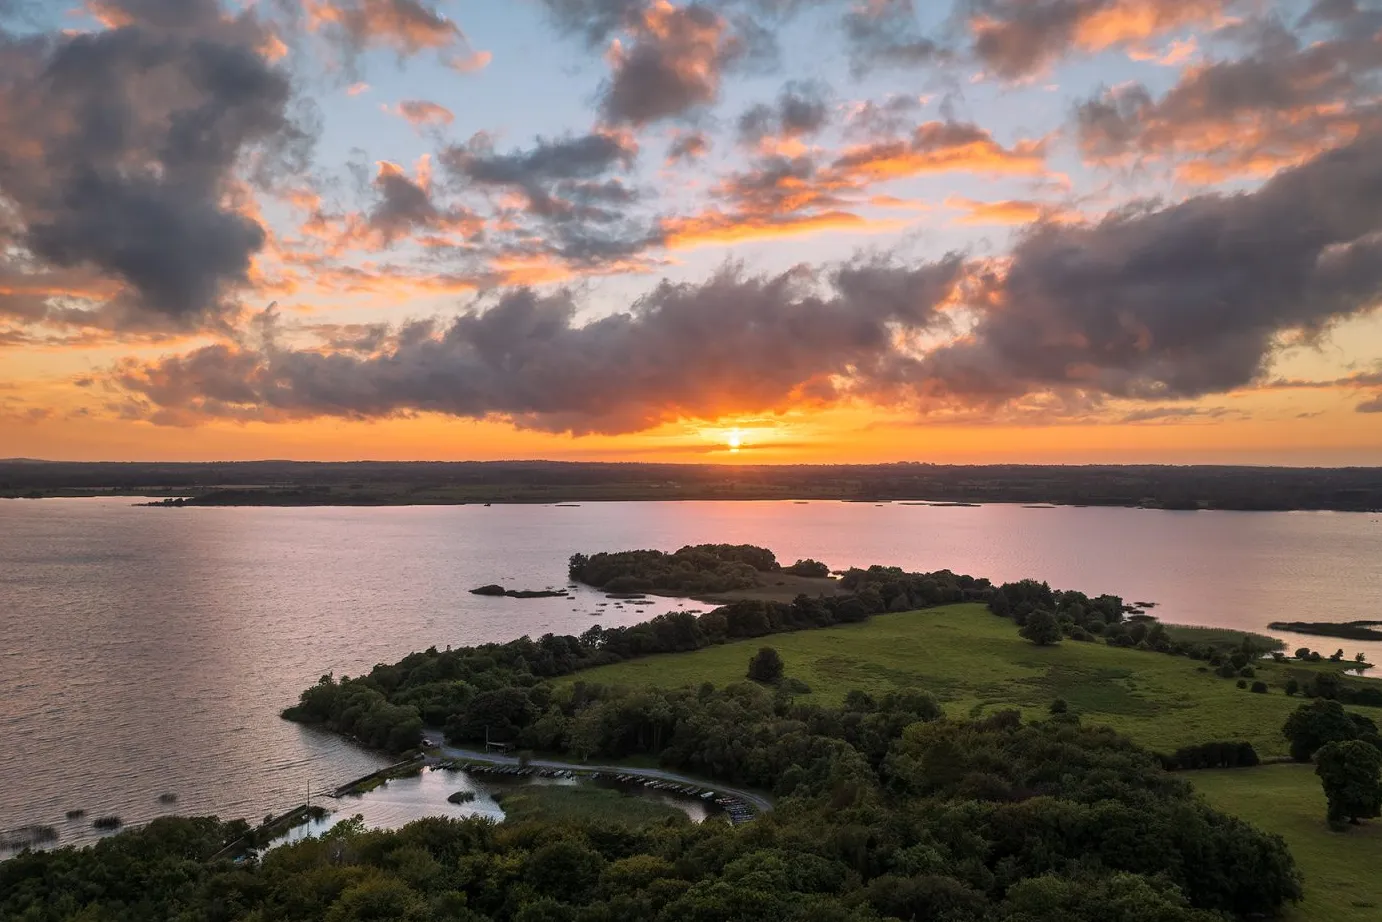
x,y
759,802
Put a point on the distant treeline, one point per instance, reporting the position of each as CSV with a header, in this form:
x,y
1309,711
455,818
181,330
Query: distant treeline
x,y
374,483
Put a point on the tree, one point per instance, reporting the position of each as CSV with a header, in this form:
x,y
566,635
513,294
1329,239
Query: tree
x,y
1351,772
1317,724
1042,629
766,666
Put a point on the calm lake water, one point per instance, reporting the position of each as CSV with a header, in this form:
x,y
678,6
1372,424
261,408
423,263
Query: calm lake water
x,y
149,651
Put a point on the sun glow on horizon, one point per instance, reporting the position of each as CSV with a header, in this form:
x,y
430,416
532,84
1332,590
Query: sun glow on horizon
x,y
735,440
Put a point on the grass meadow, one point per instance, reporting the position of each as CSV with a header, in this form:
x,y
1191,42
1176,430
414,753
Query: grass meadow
x,y
974,663
1342,882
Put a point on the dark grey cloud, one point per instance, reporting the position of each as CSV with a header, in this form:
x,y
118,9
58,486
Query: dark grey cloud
x,y
404,206
885,33
570,187
670,59
1180,301
736,343
581,157
893,115
595,20
800,110
119,151
688,146
1288,95
1371,406
672,65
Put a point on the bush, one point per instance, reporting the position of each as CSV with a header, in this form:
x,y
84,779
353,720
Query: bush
x,y
1041,629
1259,687
1247,672
1242,683
1226,671
1292,687
808,567
766,666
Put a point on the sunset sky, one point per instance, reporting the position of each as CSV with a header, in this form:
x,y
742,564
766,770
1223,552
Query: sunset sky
x,y
727,230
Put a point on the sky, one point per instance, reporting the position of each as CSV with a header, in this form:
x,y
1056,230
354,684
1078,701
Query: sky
x,y
737,231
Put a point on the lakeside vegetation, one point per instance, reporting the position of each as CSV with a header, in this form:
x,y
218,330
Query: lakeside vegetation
x,y
289,483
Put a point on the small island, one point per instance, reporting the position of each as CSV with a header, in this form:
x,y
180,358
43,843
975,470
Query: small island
x,y
500,591
1348,630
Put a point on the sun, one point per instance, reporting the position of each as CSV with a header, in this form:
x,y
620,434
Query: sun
x,y
735,440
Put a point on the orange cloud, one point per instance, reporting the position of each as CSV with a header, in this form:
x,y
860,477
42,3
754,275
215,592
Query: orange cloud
x,y
938,147
1009,212
408,27
715,227
420,112
1129,21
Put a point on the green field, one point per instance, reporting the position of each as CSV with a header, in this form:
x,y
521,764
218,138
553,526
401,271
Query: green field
x,y
582,803
1342,883
974,662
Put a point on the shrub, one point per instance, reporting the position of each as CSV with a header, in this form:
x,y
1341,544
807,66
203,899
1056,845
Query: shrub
x,y
807,567
1226,671
1292,687
766,666
1041,629
1247,672
1259,687
1242,683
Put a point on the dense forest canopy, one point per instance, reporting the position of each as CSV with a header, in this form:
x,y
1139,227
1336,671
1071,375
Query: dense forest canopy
x,y
890,812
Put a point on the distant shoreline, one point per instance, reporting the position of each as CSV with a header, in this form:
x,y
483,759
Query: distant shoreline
x,y
292,483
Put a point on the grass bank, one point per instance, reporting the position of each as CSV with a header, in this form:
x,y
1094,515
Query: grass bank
x,y
582,804
974,662
1342,883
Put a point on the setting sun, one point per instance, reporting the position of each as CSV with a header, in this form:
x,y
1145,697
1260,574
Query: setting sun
x,y
735,440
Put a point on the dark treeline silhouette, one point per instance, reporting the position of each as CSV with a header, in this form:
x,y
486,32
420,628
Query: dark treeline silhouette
x,y
373,483
886,811
1212,755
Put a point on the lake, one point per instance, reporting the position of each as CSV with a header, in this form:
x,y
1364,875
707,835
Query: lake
x,y
149,651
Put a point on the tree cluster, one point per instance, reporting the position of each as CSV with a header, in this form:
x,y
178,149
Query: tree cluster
x,y
693,570
1222,754
887,812
1322,722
